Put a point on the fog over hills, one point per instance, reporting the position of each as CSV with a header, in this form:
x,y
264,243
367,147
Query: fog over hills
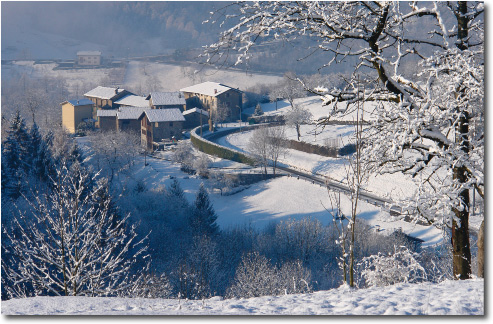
x,y
57,30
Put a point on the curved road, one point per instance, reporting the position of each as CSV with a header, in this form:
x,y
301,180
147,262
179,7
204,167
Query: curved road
x,y
368,197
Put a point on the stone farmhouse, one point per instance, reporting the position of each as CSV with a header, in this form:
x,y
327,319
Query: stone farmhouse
x,y
160,124
157,117
211,96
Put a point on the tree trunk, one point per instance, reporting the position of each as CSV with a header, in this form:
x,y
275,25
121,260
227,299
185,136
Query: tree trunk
x,y
460,226
481,251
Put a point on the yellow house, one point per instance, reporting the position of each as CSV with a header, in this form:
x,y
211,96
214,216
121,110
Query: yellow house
x,y
76,112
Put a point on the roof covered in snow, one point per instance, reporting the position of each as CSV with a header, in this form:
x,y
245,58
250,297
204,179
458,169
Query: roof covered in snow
x,y
209,88
79,102
167,98
130,112
133,100
197,110
164,115
104,92
88,53
107,112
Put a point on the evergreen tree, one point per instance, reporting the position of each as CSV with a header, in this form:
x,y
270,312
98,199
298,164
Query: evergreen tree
x,y
15,147
41,160
177,206
15,157
258,110
203,217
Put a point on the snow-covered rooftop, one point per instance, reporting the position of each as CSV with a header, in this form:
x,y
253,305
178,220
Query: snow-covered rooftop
x,y
133,100
164,115
130,112
209,88
107,112
103,92
79,102
88,53
167,98
198,110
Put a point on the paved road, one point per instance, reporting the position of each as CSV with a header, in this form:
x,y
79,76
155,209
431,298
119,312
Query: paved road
x,y
370,198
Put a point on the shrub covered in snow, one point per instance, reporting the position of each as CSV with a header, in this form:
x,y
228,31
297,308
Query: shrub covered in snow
x,y
255,276
384,270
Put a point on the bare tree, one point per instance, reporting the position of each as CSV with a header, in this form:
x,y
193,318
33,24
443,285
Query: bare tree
x,y
356,177
259,147
276,145
183,154
298,116
267,144
221,113
436,115
72,243
114,151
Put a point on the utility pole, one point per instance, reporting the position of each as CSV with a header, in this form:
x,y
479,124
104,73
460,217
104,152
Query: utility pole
x,y
201,124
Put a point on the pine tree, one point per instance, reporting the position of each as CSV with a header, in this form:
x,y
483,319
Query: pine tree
x,y
203,217
258,110
41,161
15,157
15,147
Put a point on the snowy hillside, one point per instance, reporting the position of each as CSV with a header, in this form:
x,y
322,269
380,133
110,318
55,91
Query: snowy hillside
x,y
446,298
314,104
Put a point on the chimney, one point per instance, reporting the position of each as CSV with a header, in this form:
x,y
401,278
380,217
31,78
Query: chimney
x,y
77,101
116,90
215,91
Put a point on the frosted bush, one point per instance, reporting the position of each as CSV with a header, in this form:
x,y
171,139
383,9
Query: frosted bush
x,y
385,270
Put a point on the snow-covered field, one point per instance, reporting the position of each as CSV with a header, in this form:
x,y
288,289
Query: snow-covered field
x,y
445,298
393,186
314,104
139,75
173,77
268,201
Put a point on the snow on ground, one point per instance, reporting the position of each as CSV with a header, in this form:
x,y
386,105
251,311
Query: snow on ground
x,y
314,104
394,186
138,75
75,79
445,298
172,77
265,202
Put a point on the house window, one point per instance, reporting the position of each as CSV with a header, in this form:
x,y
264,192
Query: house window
x,y
156,125
170,124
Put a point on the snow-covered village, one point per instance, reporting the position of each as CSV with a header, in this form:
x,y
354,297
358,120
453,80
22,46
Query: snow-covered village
x,y
242,158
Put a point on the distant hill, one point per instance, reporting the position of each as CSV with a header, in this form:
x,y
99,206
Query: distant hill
x,y
49,30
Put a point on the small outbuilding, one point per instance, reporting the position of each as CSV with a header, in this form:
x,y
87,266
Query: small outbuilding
x,y
195,117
